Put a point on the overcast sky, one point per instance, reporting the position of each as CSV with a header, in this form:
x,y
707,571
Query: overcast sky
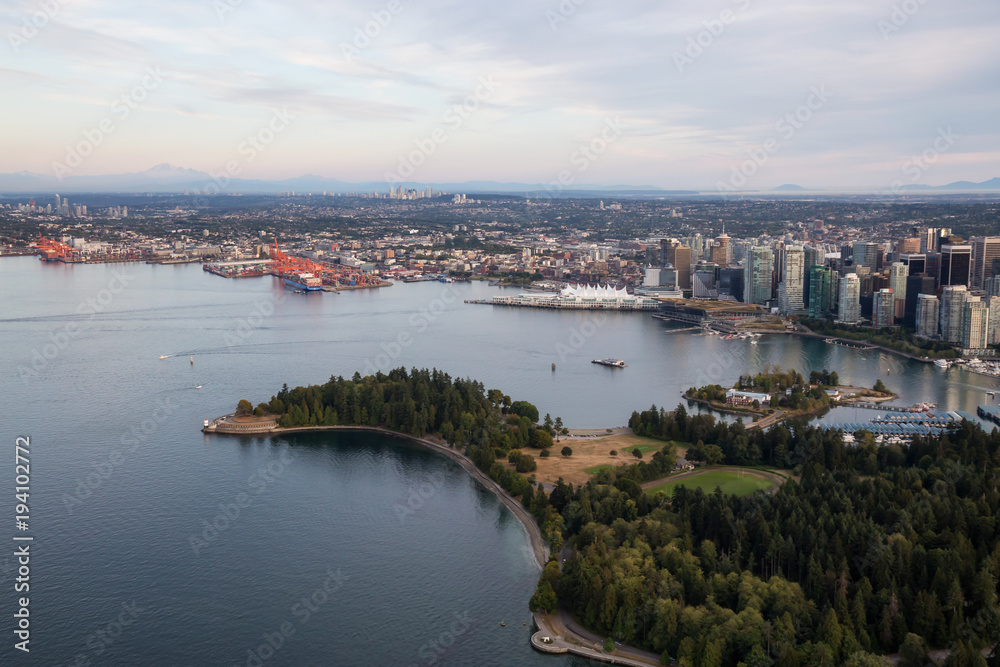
x,y
674,94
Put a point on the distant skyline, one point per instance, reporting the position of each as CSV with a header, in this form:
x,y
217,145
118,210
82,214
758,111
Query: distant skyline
x,y
740,94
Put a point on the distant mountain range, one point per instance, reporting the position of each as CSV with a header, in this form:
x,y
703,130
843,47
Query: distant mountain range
x,y
166,178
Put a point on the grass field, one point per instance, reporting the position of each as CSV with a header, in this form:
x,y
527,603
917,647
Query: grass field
x,y
596,469
730,481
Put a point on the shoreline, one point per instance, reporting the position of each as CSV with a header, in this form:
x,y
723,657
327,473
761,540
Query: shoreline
x,y
539,549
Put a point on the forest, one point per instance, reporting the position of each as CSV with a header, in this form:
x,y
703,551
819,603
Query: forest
x,y
867,551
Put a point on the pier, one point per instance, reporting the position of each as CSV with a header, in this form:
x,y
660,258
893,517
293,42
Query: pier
x,y
842,342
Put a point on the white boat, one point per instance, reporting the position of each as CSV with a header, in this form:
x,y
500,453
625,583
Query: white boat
x,y
941,363
163,356
615,363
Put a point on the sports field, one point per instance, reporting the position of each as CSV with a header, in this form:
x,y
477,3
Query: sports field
x,y
730,480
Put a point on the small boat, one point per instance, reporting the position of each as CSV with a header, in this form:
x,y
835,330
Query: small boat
x,y
614,363
198,387
503,624
192,361
163,356
553,365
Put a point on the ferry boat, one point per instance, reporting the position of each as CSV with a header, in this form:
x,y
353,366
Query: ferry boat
x,y
614,363
446,279
304,281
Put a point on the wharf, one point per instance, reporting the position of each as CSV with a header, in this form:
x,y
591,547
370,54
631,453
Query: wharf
x,y
990,412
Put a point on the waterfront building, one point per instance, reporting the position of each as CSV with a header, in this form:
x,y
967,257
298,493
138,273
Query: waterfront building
x,y
927,314
993,328
850,299
822,291
985,250
885,308
953,300
915,286
583,297
758,274
898,274
975,324
956,265
790,299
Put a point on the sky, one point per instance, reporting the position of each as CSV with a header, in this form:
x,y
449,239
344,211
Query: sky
x,y
678,94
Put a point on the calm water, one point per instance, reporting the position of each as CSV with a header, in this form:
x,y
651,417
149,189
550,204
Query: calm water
x,y
124,485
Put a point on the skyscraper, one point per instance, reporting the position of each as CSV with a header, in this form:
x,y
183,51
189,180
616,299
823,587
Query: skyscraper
x,y
850,298
928,308
720,251
885,308
952,303
822,288
993,329
956,265
898,274
868,254
975,323
992,286
757,275
681,259
985,249
915,286
794,279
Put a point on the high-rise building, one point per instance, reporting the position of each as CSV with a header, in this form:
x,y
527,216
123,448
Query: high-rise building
x,y
822,290
720,251
758,274
928,308
992,286
993,329
730,284
953,301
885,308
898,273
975,324
915,286
850,298
985,249
681,259
929,240
793,283
908,246
956,265
915,263
868,254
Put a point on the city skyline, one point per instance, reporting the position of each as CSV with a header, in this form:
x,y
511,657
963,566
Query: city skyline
x,y
854,96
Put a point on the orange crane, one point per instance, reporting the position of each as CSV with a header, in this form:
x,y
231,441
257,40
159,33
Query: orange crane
x,y
53,251
334,275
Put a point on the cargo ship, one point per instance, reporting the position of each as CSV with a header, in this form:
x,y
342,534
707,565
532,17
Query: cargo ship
x,y
304,281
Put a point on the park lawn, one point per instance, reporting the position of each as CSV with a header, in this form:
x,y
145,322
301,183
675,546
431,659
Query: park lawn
x,y
730,481
596,469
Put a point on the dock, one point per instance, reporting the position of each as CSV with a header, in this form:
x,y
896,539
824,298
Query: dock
x,y
843,342
990,412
